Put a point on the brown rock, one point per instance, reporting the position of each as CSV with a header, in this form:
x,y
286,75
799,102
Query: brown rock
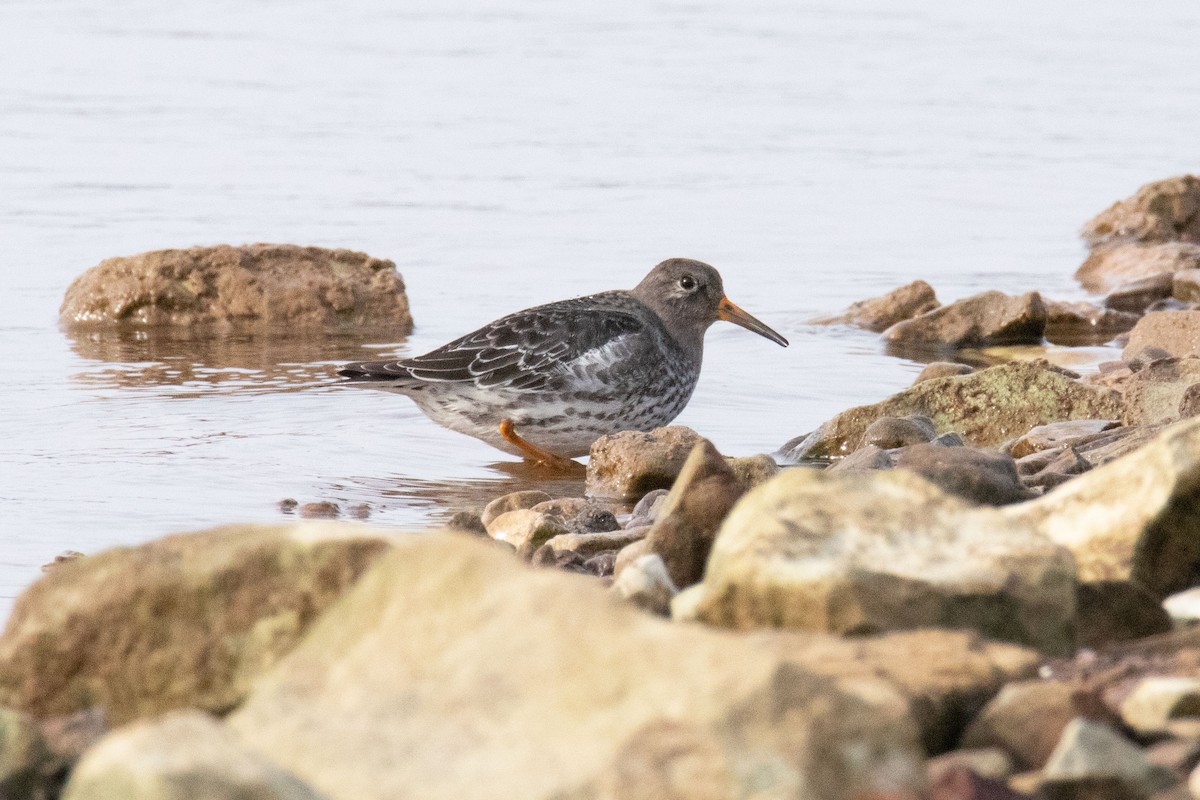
x,y
972,473
943,369
1177,332
322,509
269,288
880,313
627,465
630,553
589,544
27,766
513,501
1057,434
1110,266
988,318
1136,296
1025,720
538,685
988,408
1161,211
888,433
986,762
186,621
698,502
1185,285
753,470
1053,467
467,521
963,783
1080,323
525,529
1117,611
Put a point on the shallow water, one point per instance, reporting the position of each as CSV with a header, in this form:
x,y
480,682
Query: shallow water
x,y
506,154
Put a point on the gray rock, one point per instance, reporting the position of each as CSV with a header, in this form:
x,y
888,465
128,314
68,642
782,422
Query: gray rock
x,y
888,433
880,313
646,583
988,318
182,756
1057,434
972,473
647,508
1047,469
512,501
627,465
987,408
1137,296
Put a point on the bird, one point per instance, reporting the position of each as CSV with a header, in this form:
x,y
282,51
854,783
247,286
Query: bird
x,y
546,382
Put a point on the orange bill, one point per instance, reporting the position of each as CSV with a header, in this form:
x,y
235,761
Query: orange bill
x,y
731,313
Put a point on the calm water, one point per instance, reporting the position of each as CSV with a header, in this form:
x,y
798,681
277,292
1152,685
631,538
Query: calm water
x,y
505,154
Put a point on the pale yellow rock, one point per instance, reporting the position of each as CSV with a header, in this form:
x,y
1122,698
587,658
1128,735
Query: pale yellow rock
x,y
525,528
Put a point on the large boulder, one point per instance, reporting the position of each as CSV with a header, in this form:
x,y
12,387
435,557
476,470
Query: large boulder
x,y
268,288
186,621
856,553
988,318
1162,211
1133,519
538,684
1111,266
880,313
987,408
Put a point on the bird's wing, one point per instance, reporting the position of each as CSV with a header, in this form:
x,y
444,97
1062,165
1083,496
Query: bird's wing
x,y
524,351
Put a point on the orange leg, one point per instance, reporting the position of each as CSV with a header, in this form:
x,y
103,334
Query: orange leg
x,y
535,453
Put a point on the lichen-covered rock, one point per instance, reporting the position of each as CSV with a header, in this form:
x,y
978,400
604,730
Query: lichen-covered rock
x,y
703,493
1175,332
988,318
880,313
627,465
879,551
1112,265
186,621
183,755
539,684
1161,211
987,407
1080,323
279,289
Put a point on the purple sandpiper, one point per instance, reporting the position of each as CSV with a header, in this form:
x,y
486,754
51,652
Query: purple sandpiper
x,y
566,373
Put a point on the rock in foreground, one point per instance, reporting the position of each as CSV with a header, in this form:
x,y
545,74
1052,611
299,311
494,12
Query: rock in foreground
x,y
186,621
628,465
267,288
495,681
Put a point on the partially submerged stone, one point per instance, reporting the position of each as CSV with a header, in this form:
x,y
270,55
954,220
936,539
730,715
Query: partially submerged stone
x,y
987,407
868,552
538,684
186,621
1136,296
1080,323
988,318
278,289
183,755
627,465
880,313
513,501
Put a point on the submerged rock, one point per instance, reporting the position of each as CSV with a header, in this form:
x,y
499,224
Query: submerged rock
x,y
880,313
181,756
868,552
186,621
988,318
272,288
987,408
627,465
539,684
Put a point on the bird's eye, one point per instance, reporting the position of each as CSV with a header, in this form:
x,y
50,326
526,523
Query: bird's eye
x,y
687,283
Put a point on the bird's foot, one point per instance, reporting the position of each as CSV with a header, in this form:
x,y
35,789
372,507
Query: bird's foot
x,y
536,454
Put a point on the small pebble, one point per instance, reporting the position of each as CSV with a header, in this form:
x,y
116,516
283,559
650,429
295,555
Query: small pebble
x,y
62,558
468,521
322,509
288,505
360,510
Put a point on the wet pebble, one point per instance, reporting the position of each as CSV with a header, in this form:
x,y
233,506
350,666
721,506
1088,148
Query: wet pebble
x,y
322,509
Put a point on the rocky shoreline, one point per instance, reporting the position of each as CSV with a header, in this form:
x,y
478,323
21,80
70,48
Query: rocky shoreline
x,y
984,586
